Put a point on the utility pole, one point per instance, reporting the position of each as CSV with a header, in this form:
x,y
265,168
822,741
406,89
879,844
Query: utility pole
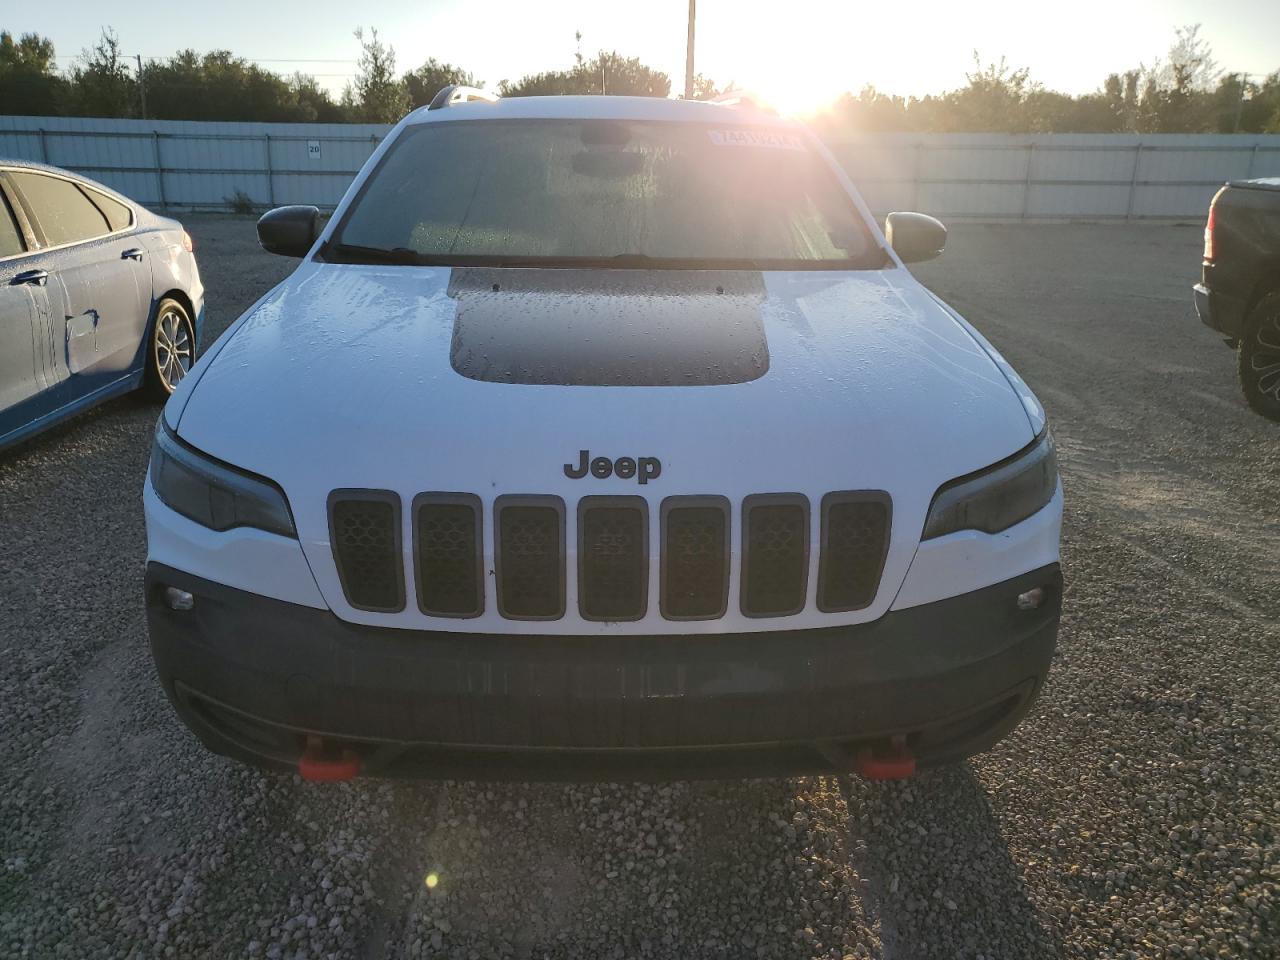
x,y
142,87
688,52
1244,79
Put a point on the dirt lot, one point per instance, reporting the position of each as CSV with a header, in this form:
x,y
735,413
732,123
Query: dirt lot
x,y
1134,814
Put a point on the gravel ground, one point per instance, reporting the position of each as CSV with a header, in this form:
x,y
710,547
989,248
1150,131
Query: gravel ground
x,y
1134,814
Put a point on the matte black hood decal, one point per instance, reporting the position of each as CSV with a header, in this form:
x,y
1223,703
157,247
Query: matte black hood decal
x,y
626,328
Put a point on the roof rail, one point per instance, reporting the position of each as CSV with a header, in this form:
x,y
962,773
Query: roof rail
x,y
740,98
457,93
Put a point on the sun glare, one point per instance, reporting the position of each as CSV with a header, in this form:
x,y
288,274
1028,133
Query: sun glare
x,y
789,84
799,58
791,99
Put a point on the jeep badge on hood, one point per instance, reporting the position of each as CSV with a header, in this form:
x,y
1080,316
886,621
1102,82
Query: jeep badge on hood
x,y
602,468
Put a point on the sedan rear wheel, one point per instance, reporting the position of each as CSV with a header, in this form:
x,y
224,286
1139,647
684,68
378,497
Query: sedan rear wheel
x,y
173,348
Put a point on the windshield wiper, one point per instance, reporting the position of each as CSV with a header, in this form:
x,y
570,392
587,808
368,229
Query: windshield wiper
x,y
626,261
361,254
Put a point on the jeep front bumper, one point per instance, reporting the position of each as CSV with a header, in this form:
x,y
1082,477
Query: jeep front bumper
x,y
256,677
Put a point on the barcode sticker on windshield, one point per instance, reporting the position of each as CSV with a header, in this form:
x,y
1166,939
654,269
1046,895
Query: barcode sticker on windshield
x,y
773,139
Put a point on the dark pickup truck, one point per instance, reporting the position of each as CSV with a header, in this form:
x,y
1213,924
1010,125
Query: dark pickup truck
x,y
1239,290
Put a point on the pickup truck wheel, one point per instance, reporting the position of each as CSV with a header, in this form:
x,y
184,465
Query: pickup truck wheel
x,y
1258,356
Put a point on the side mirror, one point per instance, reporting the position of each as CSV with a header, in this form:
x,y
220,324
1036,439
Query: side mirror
x,y
914,236
289,231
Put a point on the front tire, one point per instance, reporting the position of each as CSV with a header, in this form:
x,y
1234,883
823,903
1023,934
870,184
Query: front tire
x,y
171,351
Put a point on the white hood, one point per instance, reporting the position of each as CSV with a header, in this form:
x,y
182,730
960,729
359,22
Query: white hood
x,y
348,376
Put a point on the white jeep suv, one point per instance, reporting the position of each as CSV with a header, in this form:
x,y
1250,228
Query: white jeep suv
x,y
604,437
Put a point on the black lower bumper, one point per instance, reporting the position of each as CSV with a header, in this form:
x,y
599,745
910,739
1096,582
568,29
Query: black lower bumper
x,y
1217,311
254,677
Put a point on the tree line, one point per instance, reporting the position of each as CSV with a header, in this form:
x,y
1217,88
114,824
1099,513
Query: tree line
x,y
105,82
1184,92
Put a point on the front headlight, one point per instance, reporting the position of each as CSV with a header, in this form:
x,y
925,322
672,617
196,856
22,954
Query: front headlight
x,y
213,494
996,498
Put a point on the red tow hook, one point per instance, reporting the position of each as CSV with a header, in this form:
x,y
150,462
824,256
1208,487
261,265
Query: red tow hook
x,y
898,764
319,765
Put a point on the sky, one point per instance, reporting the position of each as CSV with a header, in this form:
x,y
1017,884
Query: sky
x,y
796,53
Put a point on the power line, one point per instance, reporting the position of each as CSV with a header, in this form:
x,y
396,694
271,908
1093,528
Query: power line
x,y
78,56
143,60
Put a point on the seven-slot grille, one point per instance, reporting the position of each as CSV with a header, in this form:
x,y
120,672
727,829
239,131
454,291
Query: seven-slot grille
x,y
613,558
449,557
613,554
775,554
530,557
855,539
695,557
364,528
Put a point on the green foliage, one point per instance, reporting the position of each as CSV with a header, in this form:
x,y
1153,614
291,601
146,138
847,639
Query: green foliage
x,y
1176,94
377,95
609,73
313,102
29,83
240,202
552,83
1123,102
1246,105
32,53
101,83
221,86
995,97
428,80
872,110
704,88
1182,93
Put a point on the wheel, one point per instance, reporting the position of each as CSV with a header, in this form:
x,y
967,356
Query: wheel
x,y
172,350
1258,356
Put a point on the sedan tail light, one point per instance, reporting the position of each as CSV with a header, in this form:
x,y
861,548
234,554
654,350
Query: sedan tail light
x,y
187,243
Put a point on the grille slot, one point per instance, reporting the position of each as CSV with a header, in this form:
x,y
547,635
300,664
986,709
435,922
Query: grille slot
x,y
364,530
855,539
775,554
613,558
695,558
448,554
530,557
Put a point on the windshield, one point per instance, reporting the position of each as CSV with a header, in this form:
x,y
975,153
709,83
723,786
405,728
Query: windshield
x,y
633,193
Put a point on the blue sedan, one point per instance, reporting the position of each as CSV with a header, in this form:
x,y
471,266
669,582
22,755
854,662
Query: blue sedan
x,y
98,296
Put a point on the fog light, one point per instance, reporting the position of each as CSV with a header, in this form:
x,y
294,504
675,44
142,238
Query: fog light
x,y
1031,599
181,600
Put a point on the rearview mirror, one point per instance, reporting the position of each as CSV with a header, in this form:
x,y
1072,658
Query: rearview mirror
x,y
289,231
608,164
915,236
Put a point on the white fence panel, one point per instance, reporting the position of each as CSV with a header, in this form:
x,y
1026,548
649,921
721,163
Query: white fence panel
x,y
970,199
189,165
1083,164
1053,176
1052,201
951,162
